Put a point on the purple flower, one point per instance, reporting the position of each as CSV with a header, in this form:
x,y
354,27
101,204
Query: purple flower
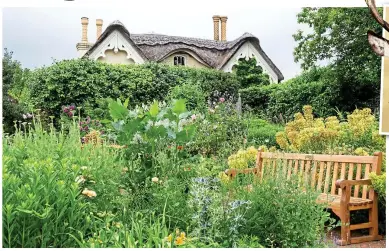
x,y
86,128
72,107
66,110
70,114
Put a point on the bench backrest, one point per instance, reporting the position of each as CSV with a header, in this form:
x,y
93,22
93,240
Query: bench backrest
x,y
320,171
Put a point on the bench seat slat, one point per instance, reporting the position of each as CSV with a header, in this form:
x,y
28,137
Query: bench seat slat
x,y
334,200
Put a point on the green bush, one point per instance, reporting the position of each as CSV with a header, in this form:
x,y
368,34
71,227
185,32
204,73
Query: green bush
x,y
77,81
44,177
283,215
260,132
279,102
379,184
192,93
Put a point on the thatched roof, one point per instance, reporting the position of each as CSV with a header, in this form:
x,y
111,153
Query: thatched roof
x,y
155,47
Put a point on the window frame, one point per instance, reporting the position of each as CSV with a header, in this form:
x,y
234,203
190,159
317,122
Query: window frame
x,y
177,56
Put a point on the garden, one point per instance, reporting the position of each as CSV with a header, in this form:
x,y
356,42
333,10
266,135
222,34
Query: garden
x,y
98,155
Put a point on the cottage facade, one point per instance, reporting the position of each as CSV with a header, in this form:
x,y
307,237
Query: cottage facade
x,y
118,46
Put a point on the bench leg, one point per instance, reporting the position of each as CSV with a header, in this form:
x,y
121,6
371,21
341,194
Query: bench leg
x,y
345,234
373,218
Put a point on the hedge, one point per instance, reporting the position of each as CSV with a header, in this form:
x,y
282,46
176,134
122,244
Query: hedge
x,y
78,80
282,101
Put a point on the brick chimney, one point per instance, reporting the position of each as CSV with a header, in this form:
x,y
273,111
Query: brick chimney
x,y
83,46
99,28
223,25
216,23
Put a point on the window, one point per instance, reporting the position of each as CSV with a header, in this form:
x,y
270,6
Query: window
x,y
179,60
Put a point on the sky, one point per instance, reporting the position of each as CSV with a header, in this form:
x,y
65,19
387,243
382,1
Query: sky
x,y
39,35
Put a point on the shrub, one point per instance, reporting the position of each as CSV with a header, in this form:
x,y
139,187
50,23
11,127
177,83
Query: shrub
x,y
12,78
311,87
282,215
358,135
222,131
78,80
192,93
261,132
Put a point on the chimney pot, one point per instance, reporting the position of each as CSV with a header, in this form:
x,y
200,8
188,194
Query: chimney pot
x,y
84,24
223,20
216,22
99,28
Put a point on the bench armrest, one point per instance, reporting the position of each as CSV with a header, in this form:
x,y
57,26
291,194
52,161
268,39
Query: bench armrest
x,y
343,183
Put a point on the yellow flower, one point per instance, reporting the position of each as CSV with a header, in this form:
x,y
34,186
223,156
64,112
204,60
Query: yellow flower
x,y
169,238
223,177
179,241
89,193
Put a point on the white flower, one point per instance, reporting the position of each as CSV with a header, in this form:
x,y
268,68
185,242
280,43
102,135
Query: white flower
x,y
84,168
155,179
89,193
80,179
24,116
137,138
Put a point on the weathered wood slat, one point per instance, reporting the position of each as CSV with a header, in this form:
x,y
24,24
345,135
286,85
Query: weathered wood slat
x,y
320,178
296,166
342,175
327,179
364,190
314,174
321,157
290,164
361,226
334,177
357,177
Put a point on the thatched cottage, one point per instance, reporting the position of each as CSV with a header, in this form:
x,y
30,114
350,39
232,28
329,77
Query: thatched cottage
x,y
117,45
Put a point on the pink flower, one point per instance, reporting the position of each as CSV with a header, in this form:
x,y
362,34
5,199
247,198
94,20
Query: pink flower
x,y
194,117
221,100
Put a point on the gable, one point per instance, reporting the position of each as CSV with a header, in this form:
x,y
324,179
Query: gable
x,y
248,50
116,42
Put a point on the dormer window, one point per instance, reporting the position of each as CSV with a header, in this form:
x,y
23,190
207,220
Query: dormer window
x,y
179,60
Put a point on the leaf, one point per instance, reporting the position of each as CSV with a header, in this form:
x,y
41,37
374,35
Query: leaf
x,y
105,121
154,109
117,111
126,103
179,106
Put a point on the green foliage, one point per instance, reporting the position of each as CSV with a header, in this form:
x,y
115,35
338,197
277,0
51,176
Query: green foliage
x,y
192,93
77,81
335,35
293,218
279,102
261,132
249,74
44,174
13,80
221,132
379,184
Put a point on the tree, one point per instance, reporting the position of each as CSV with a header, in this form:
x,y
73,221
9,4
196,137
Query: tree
x,y
339,37
249,74
12,73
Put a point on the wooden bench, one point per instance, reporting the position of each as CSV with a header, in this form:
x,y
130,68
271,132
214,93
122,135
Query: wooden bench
x,y
342,181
